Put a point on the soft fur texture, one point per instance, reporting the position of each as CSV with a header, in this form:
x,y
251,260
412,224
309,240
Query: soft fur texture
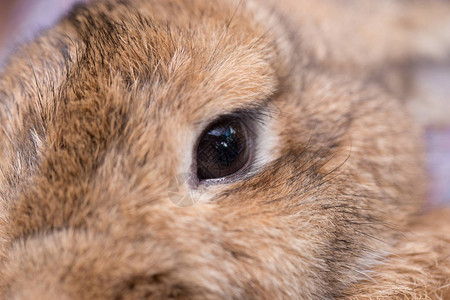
x,y
100,113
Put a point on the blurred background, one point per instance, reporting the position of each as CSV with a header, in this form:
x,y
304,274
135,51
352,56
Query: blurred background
x,y
20,20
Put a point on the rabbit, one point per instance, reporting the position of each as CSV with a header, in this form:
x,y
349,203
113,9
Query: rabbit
x,y
189,149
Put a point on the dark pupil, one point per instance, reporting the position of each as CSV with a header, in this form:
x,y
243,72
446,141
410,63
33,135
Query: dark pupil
x,y
222,150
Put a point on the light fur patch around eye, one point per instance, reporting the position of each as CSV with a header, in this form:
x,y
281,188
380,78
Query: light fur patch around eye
x,y
266,142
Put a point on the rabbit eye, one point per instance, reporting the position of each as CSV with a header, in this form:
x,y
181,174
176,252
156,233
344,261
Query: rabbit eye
x,y
223,149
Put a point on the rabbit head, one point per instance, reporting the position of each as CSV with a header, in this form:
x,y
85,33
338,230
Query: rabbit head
x,y
198,150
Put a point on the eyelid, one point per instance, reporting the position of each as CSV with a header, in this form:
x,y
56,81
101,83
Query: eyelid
x,y
258,111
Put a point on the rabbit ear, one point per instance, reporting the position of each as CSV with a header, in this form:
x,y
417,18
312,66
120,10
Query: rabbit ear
x,y
408,46
426,27
368,33
404,31
407,30
402,44
414,42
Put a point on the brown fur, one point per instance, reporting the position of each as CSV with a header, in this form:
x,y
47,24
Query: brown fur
x,y
100,113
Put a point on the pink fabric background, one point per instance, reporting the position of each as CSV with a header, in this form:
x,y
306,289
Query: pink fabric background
x,y
21,19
